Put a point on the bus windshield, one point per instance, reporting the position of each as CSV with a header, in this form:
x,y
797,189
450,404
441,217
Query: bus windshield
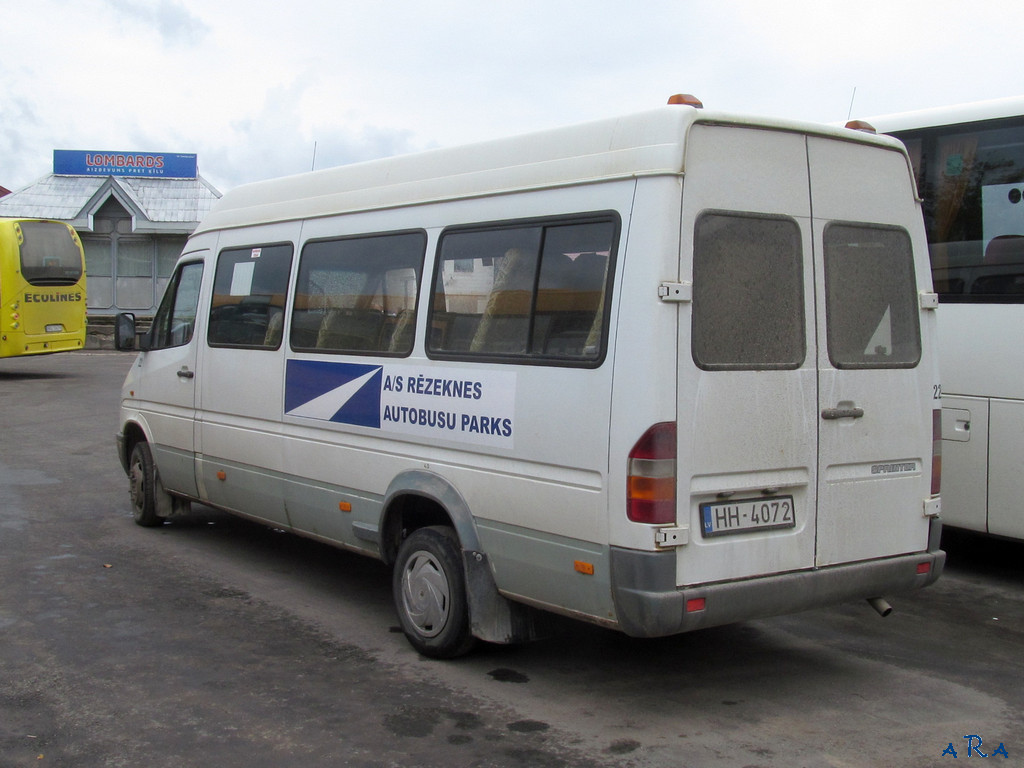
x,y
49,254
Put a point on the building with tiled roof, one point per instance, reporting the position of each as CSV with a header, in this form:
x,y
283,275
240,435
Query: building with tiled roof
x,y
132,217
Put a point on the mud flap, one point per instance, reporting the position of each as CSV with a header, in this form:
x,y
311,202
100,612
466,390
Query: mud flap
x,y
493,618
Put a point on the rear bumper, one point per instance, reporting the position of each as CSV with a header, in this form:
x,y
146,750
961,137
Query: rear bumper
x,y
649,604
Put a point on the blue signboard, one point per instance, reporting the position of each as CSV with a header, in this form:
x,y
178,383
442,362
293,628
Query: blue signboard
x,y
160,165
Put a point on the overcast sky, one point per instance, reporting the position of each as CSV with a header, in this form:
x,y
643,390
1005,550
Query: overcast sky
x,y
253,88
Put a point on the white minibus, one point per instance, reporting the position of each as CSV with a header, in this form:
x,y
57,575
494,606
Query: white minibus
x,y
660,372
969,163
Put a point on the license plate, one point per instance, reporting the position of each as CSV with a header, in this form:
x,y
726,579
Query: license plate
x,y
741,515
54,328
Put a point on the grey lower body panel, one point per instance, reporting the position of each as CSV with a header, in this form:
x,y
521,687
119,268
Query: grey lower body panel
x,y
649,604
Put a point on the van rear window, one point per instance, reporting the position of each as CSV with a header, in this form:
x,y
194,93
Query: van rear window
x,y
748,307
870,297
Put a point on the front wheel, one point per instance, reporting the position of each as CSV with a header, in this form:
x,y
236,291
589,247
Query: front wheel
x,y
144,486
429,588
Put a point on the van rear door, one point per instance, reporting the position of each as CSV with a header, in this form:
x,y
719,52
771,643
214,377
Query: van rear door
x,y
747,379
802,405
876,380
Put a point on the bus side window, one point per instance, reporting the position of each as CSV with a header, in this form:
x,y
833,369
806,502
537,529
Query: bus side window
x,y
524,291
358,294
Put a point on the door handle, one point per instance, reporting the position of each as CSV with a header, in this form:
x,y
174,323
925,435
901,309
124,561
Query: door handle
x,y
185,373
848,412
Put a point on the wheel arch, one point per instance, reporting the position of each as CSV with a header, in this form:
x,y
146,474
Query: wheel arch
x,y
132,432
420,498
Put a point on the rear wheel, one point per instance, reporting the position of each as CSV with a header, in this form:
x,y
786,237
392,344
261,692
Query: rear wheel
x,y
144,486
429,588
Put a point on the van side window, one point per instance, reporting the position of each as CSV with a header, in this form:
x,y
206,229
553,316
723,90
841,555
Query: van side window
x,y
358,294
748,306
530,292
870,297
249,289
175,320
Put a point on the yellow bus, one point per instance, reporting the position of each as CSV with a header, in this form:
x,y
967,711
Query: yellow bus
x,y
42,288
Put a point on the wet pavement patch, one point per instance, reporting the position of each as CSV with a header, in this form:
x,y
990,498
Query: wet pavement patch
x,y
528,726
508,676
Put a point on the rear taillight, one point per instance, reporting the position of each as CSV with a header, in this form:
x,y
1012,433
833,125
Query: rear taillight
x,y
651,481
936,451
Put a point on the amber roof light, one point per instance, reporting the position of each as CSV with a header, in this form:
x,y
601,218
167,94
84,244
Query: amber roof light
x,y
686,99
861,125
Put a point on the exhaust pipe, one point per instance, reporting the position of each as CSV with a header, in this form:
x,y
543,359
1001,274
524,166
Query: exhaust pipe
x,y
881,605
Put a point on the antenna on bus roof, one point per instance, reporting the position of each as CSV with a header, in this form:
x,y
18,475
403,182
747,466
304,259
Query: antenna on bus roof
x,y
312,166
849,114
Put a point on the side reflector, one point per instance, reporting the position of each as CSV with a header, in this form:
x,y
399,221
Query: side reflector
x,y
344,506
222,475
695,604
585,568
923,568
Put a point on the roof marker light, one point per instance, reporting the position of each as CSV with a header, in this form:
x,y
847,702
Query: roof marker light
x,y
686,100
861,125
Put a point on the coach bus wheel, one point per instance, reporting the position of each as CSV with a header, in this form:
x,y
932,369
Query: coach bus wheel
x,y
143,486
429,589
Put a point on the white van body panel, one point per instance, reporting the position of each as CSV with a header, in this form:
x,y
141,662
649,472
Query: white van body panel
x,y
527,458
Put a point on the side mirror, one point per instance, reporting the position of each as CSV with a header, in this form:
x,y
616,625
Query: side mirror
x,y
124,332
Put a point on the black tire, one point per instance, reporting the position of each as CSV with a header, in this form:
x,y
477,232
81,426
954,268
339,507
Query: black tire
x,y
143,486
429,588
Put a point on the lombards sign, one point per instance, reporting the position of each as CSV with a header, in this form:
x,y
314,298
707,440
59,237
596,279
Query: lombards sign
x,y
164,165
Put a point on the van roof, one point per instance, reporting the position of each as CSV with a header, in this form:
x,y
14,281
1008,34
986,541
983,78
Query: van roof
x,y
642,144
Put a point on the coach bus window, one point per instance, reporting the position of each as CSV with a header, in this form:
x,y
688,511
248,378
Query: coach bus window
x,y
524,292
358,294
971,178
248,296
870,298
748,308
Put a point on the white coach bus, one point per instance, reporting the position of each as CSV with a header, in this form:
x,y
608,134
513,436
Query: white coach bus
x,y
969,164
660,372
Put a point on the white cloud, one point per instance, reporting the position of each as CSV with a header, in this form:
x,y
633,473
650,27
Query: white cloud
x,y
250,89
